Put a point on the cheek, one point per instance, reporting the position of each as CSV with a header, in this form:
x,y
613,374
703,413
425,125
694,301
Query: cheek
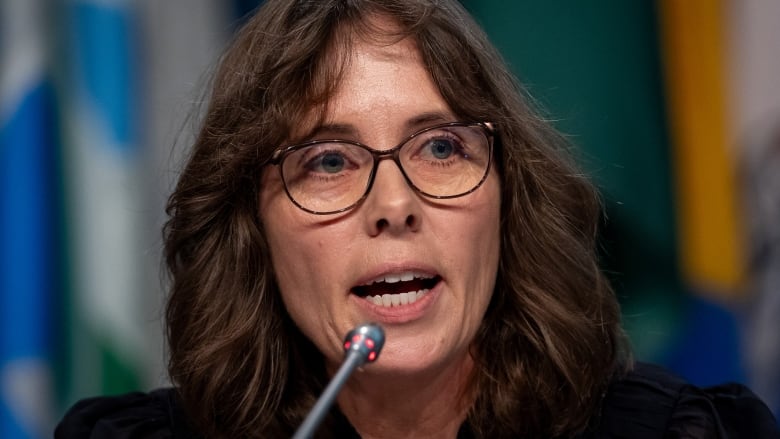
x,y
484,237
306,256
280,224
299,284
307,266
479,231
294,257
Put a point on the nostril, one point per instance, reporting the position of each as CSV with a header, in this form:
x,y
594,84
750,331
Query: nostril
x,y
382,224
410,221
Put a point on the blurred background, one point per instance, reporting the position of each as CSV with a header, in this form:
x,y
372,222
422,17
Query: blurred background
x,y
673,105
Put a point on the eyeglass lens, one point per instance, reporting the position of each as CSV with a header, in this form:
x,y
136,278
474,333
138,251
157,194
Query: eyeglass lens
x,y
442,162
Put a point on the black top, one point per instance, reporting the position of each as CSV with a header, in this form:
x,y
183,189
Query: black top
x,y
648,403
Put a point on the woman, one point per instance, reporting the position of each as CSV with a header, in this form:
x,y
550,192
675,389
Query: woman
x,y
374,161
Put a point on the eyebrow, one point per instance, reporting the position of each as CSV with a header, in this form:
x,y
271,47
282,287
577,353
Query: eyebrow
x,y
427,119
332,130
412,125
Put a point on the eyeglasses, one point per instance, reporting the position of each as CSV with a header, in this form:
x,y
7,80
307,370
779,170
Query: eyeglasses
x,y
331,176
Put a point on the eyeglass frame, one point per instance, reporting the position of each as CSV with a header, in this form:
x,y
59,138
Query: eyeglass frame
x,y
278,157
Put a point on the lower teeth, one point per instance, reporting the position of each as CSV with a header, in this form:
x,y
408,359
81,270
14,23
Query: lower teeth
x,y
390,300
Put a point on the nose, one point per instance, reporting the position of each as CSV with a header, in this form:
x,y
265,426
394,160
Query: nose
x,y
392,206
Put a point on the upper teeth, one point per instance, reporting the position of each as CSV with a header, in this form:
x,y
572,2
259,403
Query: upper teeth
x,y
398,277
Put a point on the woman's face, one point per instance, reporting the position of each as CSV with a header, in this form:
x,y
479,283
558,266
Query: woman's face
x,y
322,262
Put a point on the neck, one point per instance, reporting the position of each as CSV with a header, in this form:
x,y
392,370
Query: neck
x,y
430,404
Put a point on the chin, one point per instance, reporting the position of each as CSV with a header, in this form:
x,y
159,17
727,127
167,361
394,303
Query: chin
x,y
408,362
399,369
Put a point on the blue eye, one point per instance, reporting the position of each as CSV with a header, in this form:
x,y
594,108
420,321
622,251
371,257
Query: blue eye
x,y
332,163
441,148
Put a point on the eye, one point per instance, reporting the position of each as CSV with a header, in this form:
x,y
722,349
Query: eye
x,y
327,158
330,162
441,148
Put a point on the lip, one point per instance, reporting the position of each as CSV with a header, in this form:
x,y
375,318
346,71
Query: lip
x,y
398,314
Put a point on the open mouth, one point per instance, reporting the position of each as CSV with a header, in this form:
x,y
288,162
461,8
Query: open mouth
x,y
397,289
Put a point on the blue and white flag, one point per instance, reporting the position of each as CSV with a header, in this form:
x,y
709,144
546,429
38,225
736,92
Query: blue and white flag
x,y
103,194
81,191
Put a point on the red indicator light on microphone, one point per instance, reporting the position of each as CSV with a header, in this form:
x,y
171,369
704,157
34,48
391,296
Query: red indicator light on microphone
x,y
364,343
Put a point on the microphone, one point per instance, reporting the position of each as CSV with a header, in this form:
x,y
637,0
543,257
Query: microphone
x,y
361,345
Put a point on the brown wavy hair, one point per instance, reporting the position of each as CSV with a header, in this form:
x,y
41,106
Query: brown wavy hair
x,y
551,338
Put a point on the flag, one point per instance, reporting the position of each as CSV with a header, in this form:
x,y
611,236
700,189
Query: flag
x,y
103,194
753,66
27,223
640,92
596,73
694,57
722,67
93,95
134,70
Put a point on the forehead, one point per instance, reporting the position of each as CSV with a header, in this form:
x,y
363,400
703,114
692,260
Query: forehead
x,y
376,71
367,70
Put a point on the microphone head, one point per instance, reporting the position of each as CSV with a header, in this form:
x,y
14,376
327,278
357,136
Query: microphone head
x,y
366,340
